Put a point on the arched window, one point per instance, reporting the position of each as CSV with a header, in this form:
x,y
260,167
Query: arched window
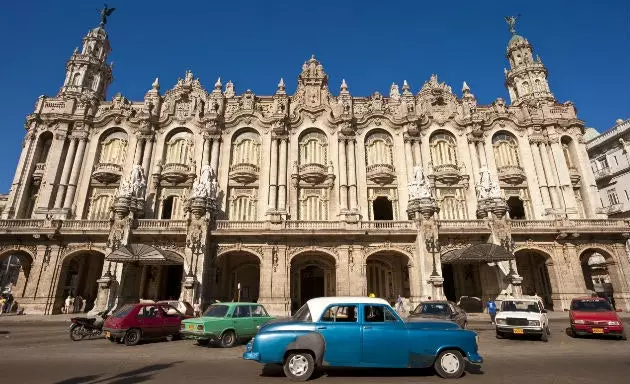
x,y
537,86
242,207
76,79
526,89
113,148
44,146
179,148
246,149
505,150
378,149
314,148
99,207
313,204
443,149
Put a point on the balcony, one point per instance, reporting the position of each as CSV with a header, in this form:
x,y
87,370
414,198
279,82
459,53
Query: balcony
x,y
381,173
175,172
511,174
574,175
244,173
603,173
107,172
313,173
447,173
38,174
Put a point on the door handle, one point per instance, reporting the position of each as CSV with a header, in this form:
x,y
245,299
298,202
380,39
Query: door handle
x,y
367,327
322,327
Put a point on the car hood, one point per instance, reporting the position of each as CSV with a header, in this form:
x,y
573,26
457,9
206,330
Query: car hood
x,y
584,315
519,315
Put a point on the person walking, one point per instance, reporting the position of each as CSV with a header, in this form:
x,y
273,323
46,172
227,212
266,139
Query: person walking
x,y
399,304
492,310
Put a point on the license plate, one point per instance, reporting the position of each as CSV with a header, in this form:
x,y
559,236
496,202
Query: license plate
x,y
598,330
191,327
518,331
107,334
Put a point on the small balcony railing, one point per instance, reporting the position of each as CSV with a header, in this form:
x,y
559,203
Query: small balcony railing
x,y
381,173
244,173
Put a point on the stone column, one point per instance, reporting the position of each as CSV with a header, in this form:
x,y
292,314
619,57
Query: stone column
x,y
540,173
20,178
205,159
74,176
146,159
409,158
417,154
282,179
137,156
343,181
65,174
352,175
481,154
273,175
562,173
553,191
214,156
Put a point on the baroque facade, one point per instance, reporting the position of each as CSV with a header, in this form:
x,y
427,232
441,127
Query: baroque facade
x,y
215,195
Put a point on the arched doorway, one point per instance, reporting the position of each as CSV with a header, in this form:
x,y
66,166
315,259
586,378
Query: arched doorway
x,y
387,275
533,266
382,208
312,275
596,275
516,208
15,268
234,268
161,282
77,279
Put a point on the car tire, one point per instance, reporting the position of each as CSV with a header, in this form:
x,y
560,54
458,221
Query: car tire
x,y
500,335
228,339
132,337
572,332
450,364
544,336
203,342
623,336
548,330
299,366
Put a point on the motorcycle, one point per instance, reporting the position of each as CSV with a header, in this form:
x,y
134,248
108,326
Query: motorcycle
x,y
83,327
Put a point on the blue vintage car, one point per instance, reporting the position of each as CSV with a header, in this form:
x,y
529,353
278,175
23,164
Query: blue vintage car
x,y
361,332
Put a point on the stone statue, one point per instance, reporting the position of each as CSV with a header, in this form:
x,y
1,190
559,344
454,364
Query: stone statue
x,y
105,13
138,181
418,187
206,185
229,89
125,189
511,22
487,188
394,93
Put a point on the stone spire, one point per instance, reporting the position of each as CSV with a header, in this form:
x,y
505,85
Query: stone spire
x,y
87,73
526,79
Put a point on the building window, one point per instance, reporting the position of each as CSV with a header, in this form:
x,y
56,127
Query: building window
x,y
612,197
603,163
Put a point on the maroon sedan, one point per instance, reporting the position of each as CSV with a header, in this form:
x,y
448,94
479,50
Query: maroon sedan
x,y
595,316
134,322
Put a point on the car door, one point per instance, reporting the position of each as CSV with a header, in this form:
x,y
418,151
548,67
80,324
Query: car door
x,y
384,338
259,316
342,334
243,322
172,320
150,321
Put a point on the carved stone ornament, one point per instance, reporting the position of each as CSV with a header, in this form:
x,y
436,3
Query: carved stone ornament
x,y
419,187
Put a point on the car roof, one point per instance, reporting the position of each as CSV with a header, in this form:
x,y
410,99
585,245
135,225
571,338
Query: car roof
x,y
318,305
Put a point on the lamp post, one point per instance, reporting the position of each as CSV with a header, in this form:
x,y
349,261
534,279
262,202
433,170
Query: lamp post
x,y
433,246
509,245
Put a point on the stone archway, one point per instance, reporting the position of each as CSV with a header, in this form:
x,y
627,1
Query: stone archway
x,y
234,268
313,274
15,269
77,279
600,274
536,269
387,275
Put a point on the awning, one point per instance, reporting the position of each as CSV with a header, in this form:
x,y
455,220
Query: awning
x,y
144,254
478,253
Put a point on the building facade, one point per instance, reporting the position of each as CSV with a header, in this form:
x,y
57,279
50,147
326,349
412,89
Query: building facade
x,y
213,195
611,166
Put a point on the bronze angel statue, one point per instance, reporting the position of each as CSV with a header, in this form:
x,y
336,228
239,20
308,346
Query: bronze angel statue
x,y
105,12
511,21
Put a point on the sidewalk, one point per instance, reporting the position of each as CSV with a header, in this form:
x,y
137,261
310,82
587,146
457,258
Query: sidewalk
x,y
13,318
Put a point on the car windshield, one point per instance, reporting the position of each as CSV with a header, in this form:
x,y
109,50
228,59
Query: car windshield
x,y
216,311
303,314
520,306
591,306
123,311
432,309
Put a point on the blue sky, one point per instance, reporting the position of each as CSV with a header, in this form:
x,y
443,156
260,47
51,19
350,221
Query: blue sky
x,y
584,44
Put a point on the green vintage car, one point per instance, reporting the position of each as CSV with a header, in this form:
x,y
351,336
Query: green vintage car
x,y
225,323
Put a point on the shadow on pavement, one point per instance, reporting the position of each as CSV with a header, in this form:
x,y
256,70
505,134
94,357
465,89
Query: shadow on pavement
x,y
4,332
275,370
134,376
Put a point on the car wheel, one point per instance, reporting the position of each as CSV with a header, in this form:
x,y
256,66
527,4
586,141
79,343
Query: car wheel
x,y
228,340
623,336
548,331
572,332
203,342
176,337
500,335
450,364
299,366
544,336
112,339
132,337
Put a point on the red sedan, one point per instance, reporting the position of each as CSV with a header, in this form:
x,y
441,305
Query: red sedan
x,y
595,316
134,322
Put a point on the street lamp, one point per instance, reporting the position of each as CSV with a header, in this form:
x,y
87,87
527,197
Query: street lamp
x,y
509,245
433,246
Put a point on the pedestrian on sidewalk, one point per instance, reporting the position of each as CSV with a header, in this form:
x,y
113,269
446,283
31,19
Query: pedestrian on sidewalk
x,y
492,310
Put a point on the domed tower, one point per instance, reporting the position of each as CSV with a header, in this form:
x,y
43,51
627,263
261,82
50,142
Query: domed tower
x,y
527,77
87,73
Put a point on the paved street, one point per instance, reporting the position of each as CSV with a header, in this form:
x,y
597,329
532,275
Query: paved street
x,y
41,352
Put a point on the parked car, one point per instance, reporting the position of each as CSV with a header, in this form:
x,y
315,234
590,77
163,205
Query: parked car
x,y
361,332
182,306
225,323
594,316
132,323
525,316
440,309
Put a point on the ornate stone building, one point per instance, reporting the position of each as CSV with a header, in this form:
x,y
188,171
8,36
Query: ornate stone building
x,y
213,194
